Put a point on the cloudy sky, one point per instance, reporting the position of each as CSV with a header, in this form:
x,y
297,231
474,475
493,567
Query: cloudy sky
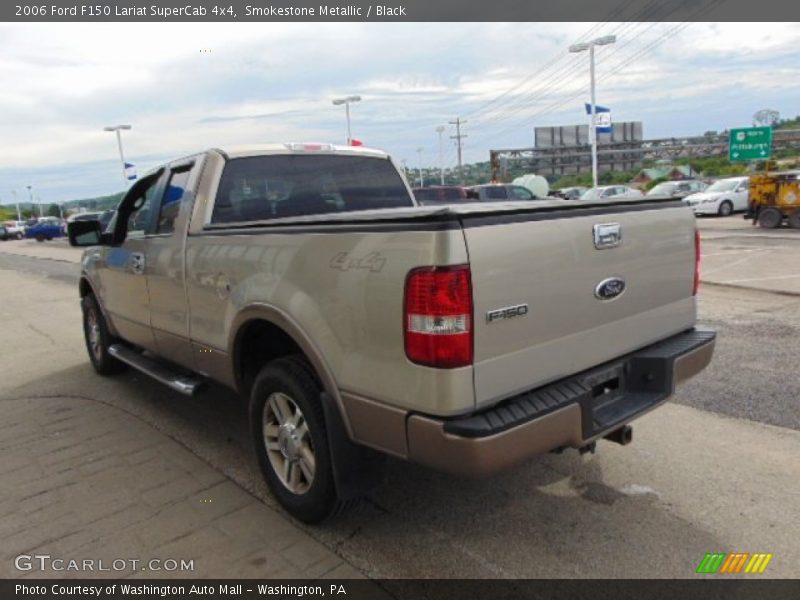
x,y
186,87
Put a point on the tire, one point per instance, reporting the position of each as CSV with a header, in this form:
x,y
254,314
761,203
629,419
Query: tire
x,y
19,236
290,439
98,339
794,219
725,209
39,238
770,218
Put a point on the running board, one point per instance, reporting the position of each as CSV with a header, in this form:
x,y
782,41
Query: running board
x,y
157,370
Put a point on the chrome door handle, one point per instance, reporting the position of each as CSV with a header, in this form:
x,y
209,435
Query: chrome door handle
x,y
137,263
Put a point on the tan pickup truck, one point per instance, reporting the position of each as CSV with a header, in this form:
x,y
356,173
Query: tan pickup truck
x,y
466,338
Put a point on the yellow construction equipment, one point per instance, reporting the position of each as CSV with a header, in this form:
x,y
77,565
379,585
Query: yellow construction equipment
x,y
773,198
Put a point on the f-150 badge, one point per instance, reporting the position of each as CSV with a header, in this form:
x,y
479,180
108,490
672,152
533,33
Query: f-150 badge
x,y
509,312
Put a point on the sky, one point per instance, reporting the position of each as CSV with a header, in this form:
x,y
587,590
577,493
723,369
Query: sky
x,y
185,87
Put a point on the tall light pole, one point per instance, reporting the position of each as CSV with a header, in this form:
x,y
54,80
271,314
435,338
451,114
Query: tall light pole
x,y
30,197
116,129
601,41
19,214
419,166
440,131
347,100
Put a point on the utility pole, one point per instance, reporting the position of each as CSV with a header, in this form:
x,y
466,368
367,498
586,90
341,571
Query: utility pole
x,y
440,130
458,137
419,167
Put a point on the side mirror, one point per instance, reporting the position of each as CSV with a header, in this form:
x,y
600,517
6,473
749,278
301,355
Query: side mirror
x,y
85,233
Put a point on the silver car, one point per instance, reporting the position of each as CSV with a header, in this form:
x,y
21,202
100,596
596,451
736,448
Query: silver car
x,y
611,192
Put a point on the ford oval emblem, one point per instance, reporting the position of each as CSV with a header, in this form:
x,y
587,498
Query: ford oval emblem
x,y
610,288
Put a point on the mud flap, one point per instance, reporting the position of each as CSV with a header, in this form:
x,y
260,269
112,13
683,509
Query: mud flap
x,y
356,469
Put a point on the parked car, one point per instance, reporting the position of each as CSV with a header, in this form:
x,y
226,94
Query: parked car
x,y
722,197
359,324
494,192
570,193
442,194
16,229
611,192
46,228
677,189
4,233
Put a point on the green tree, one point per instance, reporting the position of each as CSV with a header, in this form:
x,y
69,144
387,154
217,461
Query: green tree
x,y
53,211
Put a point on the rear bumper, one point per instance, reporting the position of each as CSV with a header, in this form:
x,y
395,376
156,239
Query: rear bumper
x,y
569,413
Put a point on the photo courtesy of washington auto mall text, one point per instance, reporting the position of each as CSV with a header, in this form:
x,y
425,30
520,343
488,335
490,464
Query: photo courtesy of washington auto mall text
x,y
400,300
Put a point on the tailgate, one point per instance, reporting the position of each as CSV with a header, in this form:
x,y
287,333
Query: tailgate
x,y
535,278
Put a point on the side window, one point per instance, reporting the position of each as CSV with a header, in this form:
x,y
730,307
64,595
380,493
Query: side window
x,y
139,222
520,193
171,200
496,193
744,185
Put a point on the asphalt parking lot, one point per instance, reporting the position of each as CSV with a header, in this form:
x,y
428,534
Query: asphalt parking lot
x,y
716,469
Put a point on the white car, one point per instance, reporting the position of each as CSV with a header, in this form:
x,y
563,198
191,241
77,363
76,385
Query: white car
x,y
722,197
15,229
611,192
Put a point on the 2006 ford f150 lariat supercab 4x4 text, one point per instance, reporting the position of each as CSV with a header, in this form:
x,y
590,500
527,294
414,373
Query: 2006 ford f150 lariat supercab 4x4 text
x,y
466,338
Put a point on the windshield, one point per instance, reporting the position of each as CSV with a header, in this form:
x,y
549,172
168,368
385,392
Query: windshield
x,y
662,189
723,185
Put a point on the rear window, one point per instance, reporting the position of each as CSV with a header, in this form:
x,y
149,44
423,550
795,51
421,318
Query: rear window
x,y
273,187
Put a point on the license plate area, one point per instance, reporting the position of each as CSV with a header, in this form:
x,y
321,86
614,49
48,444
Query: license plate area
x,y
616,394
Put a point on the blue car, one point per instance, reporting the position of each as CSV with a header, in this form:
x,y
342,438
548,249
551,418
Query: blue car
x,y
46,228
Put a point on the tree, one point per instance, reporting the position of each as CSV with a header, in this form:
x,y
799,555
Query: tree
x,y
766,117
53,211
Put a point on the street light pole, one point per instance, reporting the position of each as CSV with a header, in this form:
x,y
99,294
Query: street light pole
x,y
440,130
117,129
346,101
419,167
19,214
601,41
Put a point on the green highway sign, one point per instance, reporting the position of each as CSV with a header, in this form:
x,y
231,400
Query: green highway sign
x,y
750,143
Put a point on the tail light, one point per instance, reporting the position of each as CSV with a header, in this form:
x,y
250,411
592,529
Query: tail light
x,y
696,262
437,316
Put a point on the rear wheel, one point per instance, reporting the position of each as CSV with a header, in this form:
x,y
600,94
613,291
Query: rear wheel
x,y
794,219
39,238
98,339
19,236
291,442
725,209
770,218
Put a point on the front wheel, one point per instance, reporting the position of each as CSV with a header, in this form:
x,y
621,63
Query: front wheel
x,y
770,218
725,209
291,441
19,236
39,238
98,339
794,219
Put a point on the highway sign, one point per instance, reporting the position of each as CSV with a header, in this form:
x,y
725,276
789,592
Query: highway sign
x,y
750,143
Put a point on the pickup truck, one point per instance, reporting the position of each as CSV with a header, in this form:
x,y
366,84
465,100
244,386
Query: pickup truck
x,y
466,338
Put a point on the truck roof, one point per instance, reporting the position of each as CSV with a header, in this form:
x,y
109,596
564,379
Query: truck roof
x,y
300,148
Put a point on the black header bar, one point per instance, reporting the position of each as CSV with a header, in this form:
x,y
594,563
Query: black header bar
x,y
397,10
